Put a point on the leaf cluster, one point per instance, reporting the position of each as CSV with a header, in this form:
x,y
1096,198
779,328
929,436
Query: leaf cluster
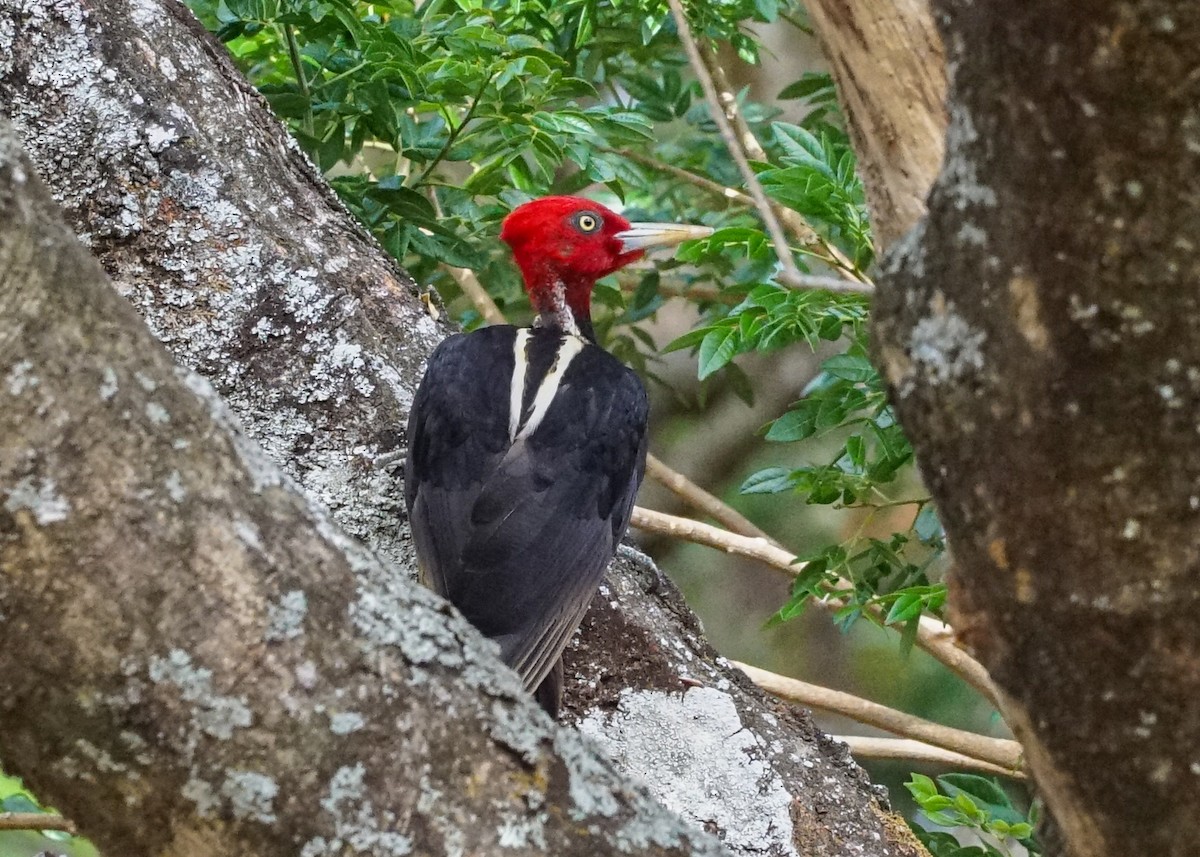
x,y
969,803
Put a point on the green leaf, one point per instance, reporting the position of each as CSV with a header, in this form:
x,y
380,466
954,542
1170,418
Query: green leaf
x,y
904,608
927,526
852,367
796,424
810,85
984,792
800,145
772,480
19,803
922,788
856,450
402,201
716,349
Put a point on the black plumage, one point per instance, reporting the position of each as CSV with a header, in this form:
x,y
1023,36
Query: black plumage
x,y
516,527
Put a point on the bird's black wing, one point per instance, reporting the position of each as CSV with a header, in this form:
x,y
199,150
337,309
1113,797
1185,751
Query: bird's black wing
x,y
457,436
518,534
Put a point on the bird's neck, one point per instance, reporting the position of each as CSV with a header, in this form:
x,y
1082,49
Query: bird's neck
x,y
564,305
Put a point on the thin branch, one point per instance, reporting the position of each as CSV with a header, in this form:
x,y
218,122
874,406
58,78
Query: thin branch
x,y
467,281
933,636
474,290
830,284
736,149
908,750
702,182
699,499
1005,754
35,821
455,130
289,36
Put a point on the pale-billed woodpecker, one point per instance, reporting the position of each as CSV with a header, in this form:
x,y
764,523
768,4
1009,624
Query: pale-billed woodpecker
x,y
526,446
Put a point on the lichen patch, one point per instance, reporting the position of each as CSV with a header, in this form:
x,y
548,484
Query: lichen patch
x,y
40,497
716,774
945,346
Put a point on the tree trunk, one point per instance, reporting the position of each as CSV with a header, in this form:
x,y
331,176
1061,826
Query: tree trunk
x,y
887,62
1040,334
196,660
241,261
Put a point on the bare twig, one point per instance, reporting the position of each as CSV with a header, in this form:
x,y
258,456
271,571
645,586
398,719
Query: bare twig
x,y
831,284
933,636
468,282
915,751
35,821
699,499
736,149
474,290
1005,754
702,182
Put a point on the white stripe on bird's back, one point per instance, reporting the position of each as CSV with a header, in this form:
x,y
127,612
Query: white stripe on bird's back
x,y
568,350
516,393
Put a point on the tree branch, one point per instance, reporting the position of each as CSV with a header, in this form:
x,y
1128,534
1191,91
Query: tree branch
x,y
36,821
1002,753
886,59
838,285
908,750
933,636
702,500
704,183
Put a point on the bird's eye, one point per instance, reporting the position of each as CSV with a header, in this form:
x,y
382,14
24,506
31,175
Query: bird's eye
x,y
587,222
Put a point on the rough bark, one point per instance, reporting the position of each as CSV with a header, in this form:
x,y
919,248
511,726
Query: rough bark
x,y
225,240
187,637
1040,333
886,58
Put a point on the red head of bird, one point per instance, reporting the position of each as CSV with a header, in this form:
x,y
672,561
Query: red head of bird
x,y
563,244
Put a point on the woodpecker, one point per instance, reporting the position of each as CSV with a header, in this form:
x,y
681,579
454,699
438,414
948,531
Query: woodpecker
x,y
526,446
